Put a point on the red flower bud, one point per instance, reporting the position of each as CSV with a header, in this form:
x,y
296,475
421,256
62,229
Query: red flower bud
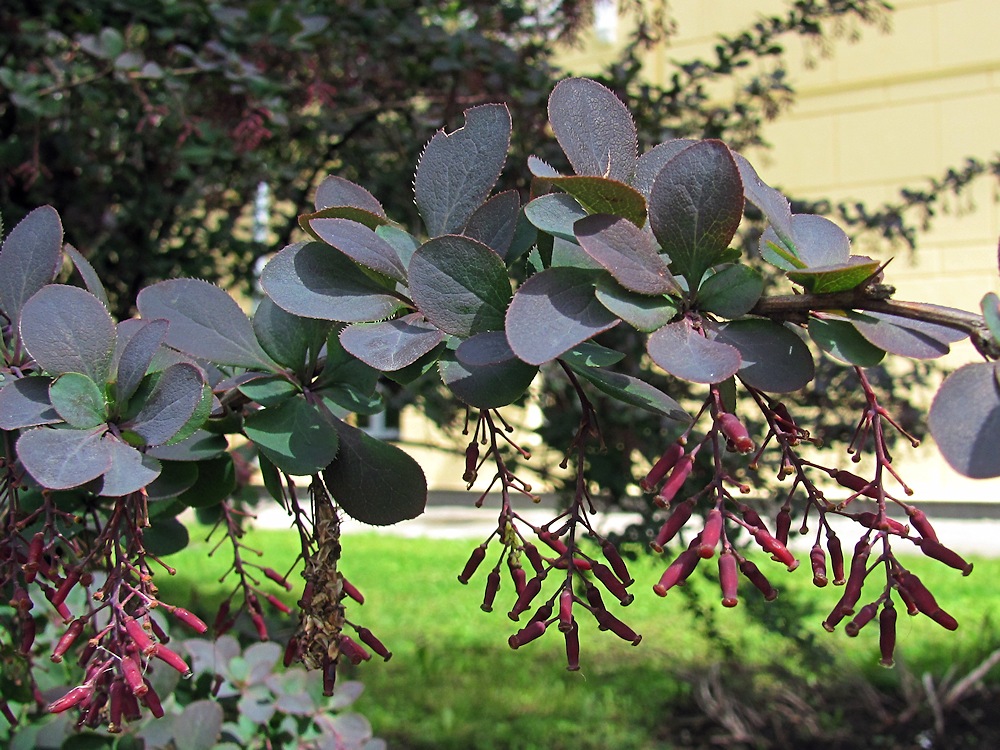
x,y
133,675
659,470
368,638
728,579
615,587
72,578
677,572
672,526
221,617
782,524
534,557
566,609
593,596
492,586
778,551
518,576
76,696
608,621
158,631
139,636
711,534
614,558
933,548
923,599
735,432
553,541
292,652
277,604
573,648
151,700
675,481
817,558
355,652
836,558
30,566
758,579
117,706
329,677
856,484
192,620
881,522
919,520
471,463
752,517
862,618
278,578
28,629
887,633
477,556
531,589
68,638
348,588
527,634
258,622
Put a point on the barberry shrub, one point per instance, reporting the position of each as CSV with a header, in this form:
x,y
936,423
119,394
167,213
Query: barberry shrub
x,y
111,429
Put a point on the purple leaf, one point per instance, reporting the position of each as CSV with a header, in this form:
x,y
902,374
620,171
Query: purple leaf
x,y
965,420
336,191
594,129
172,402
907,338
685,353
486,374
25,403
29,259
628,254
136,356
391,344
771,203
774,358
90,278
59,459
495,222
360,244
818,242
130,470
651,162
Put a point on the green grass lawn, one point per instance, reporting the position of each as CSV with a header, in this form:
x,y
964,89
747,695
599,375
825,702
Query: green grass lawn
x,y
454,683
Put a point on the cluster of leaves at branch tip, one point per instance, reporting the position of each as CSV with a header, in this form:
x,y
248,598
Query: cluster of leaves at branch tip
x,y
129,420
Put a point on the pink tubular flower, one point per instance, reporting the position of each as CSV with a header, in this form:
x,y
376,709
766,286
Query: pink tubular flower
x,y
659,470
566,621
81,694
836,558
919,520
133,675
190,619
728,579
672,525
677,572
573,648
349,589
735,432
614,559
675,481
711,534
368,638
477,556
607,621
864,616
778,551
531,589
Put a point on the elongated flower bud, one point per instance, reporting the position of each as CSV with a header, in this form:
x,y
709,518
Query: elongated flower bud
x,y
566,610
557,545
778,551
672,526
864,616
527,634
752,517
151,700
836,558
856,484
887,633
350,590
782,525
192,620
573,648
278,578
28,630
368,638
534,557
923,599
471,463
615,587
735,432
72,578
68,638
116,706
728,580
614,559
711,534
759,580
133,675
477,556
919,520
675,481
933,548
139,636
817,558
76,696
172,659
492,586
881,522
531,589
608,621
659,470
677,572
519,577
354,651
31,564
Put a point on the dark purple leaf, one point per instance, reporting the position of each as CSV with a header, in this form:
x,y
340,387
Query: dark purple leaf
x,y
965,420
771,203
818,243
685,353
555,214
460,285
130,470
695,207
391,344
630,390
78,400
457,170
59,459
359,215
628,253
495,222
137,355
67,329
360,244
29,258
317,281
205,322
774,358
90,278
294,436
552,312
336,191
651,162
732,291
374,482
173,401
175,477
594,128
489,384
25,403
907,338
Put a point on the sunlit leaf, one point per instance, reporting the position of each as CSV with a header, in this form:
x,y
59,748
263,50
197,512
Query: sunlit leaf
x,y
59,459
555,214
391,344
360,244
294,436
818,243
594,129
290,340
269,390
965,420
374,482
78,400
829,279
686,353
732,291
769,201
642,312
907,338
601,195
336,191
67,329
589,354
626,252
651,162
130,470
457,170
460,285
552,312
404,243
205,322
29,258
774,358
695,207
90,278
316,281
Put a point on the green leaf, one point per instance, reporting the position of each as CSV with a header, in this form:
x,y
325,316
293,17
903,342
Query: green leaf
x,y
460,285
840,339
695,207
589,354
316,281
457,170
991,314
25,403
642,312
374,482
29,259
818,242
594,129
965,420
552,312
166,536
66,329
342,368
59,459
216,482
774,358
555,214
732,291
294,436
269,390
600,195
205,322
686,353
632,391
290,340
483,371
829,279
629,254
271,478
175,477
404,243
392,344
78,400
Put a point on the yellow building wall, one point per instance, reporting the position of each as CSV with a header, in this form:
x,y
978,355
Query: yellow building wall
x,y
890,109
